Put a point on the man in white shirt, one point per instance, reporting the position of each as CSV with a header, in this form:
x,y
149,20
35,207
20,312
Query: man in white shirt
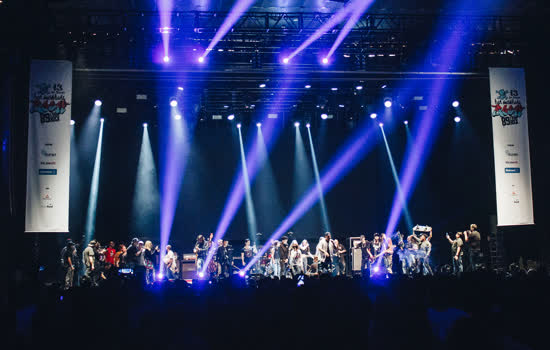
x,y
168,262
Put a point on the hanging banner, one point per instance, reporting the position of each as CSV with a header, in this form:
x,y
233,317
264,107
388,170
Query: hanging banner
x,y
511,147
49,146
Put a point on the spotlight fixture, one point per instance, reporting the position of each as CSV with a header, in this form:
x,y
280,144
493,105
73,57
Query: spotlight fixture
x,y
359,87
308,125
166,59
456,104
238,125
201,59
72,122
231,117
258,124
201,274
242,273
406,122
173,102
373,115
180,88
262,85
341,106
160,276
286,60
308,86
177,117
144,125
325,60
387,103
380,124
102,120
324,116
297,124
98,103
384,86
334,89
457,119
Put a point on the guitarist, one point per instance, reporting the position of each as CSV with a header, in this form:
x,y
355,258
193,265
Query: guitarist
x,y
201,249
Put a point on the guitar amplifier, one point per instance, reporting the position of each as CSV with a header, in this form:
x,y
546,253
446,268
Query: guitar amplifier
x,y
189,257
355,254
188,269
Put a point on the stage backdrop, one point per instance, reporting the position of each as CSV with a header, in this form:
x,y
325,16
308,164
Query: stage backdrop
x,y
49,146
511,147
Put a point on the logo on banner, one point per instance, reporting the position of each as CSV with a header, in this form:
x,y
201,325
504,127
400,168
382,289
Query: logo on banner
x,y
507,106
48,100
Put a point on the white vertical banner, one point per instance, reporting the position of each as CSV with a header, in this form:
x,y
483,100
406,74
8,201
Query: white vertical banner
x,y
511,147
49,146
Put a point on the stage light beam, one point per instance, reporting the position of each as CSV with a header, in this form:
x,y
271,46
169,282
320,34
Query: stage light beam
x,y
322,205
89,229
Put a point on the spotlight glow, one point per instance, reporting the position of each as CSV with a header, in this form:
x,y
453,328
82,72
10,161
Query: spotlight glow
x,y
258,124
231,117
173,103
373,115
180,88
144,125
242,273
177,117
201,59
380,124
262,85
166,59
387,103
286,60
325,60
406,122
297,124
376,268
102,120
239,125
359,87
98,103
456,104
308,86
457,119
201,274
324,116
160,276
308,125
334,89
72,122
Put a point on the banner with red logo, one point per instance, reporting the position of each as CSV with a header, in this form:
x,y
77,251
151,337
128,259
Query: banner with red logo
x,y
49,146
511,147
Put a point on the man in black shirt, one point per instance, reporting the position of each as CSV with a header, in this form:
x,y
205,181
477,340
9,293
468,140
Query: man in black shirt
x,y
132,254
472,238
366,256
68,258
224,258
283,255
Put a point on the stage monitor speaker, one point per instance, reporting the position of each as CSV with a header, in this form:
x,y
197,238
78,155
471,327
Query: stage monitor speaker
x,y
355,253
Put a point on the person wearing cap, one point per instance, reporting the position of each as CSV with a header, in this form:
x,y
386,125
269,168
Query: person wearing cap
x,y
132,253
88,257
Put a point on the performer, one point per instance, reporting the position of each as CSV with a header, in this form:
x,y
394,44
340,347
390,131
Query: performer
x,y
224,256
283,255
276,259
306,253
169,260
295,259
150,257
68,260
387,257
323,249
334,256
366,255
472,238
247,253
342,258
407,254
456,250
89,260
424,255
313,269
201,250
